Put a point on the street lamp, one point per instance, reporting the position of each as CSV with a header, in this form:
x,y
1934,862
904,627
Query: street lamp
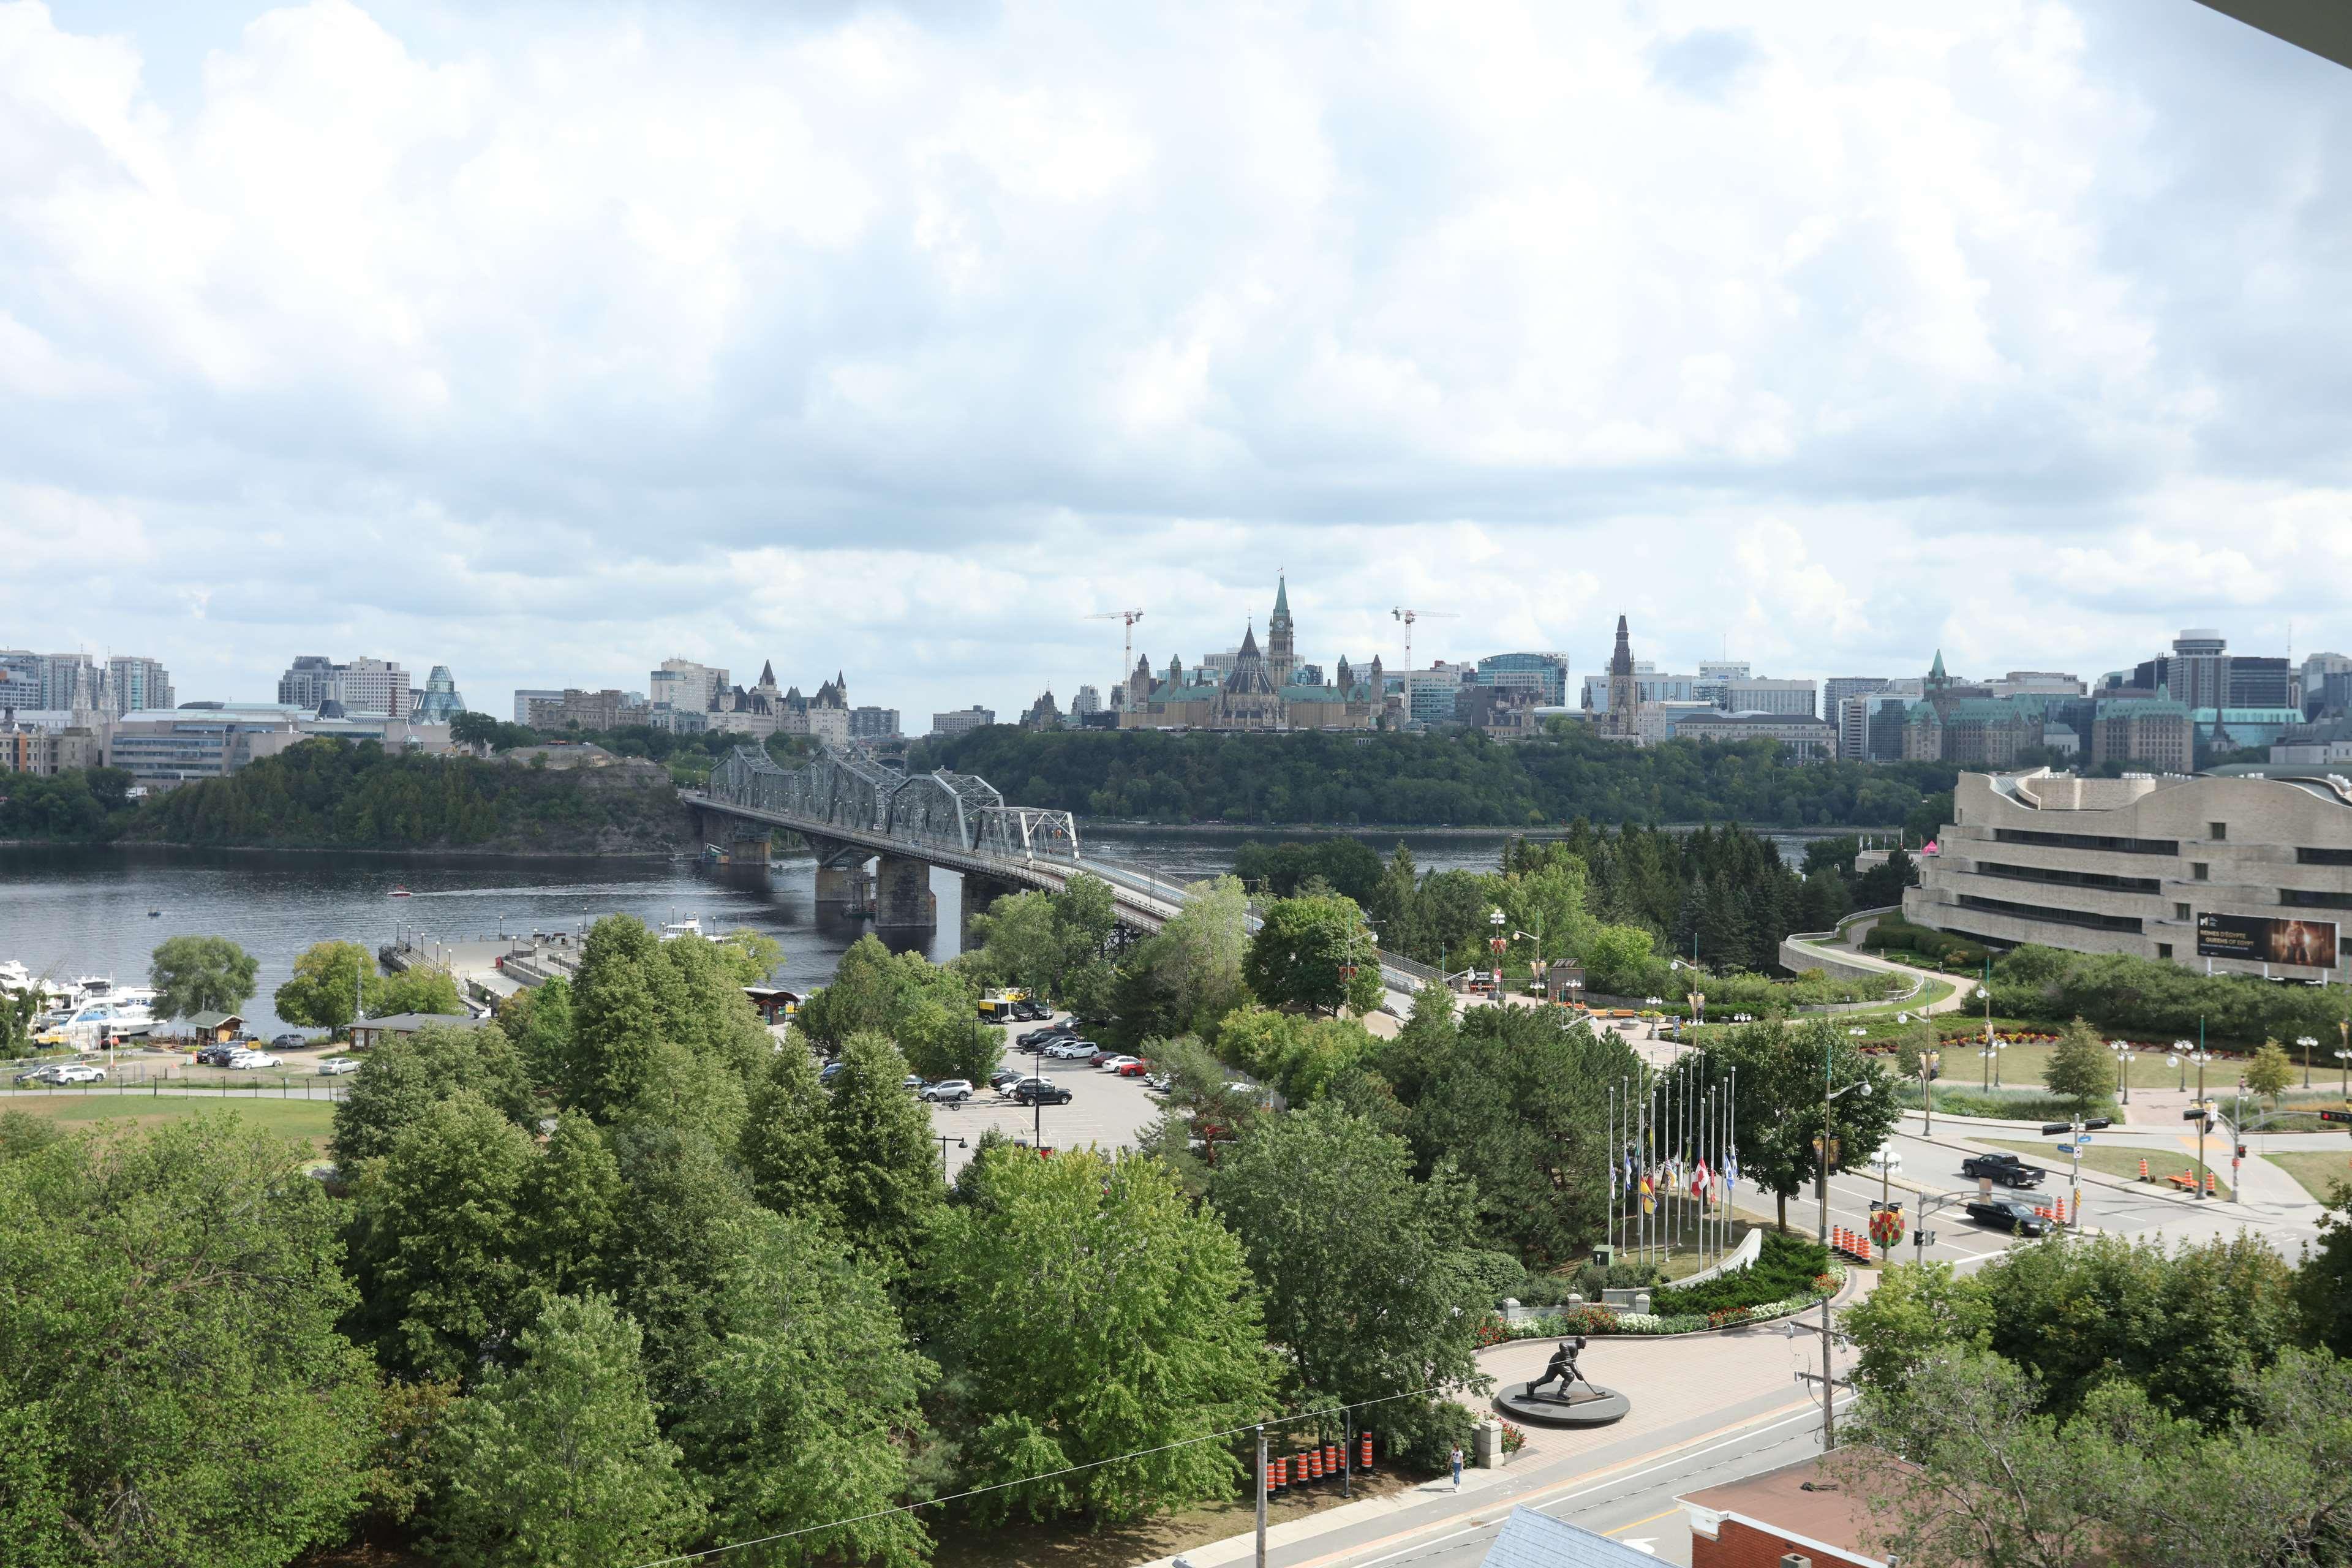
x,y
2123,1066
2200,1055
2180,1058
944,1138
2346,1057
1991,1054
2307,1043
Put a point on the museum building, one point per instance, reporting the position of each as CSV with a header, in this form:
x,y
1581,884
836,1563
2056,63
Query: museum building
x,y
2244,870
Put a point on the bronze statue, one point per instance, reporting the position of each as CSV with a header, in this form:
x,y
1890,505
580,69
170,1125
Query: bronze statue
x,y
1562,1369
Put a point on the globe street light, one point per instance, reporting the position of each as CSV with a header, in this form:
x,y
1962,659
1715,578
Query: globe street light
x,y
2307,1043
2346,1057
2123,1065
2180,1058
2200,1055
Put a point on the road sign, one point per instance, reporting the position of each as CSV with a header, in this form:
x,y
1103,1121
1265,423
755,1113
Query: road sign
x,y
2085,1141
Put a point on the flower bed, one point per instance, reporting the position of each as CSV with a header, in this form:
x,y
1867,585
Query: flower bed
x,y
1596,1321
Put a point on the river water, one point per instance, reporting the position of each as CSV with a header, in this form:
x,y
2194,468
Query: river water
x,y
75,911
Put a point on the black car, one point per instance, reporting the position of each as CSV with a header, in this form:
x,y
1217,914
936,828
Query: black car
x,y
1048,1035
2005,1168
1032,1012
1003,1078
2007,1214
217,1055
1036,1091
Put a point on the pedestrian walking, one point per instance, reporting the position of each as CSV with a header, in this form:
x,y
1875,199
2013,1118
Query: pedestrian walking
x,y
1457,1467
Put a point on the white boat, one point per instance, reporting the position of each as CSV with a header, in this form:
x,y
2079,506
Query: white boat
x,y
690,926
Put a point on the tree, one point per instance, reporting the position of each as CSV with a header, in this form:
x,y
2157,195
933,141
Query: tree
x,y
1778,1077
17,1011
403,1077
434,1232
2323,1286
1304,948
195,974
538,1019
805,1411
616,1017
683,1226
559,1461
1155,1327
1300,1056
2270,1072
168,1352
428,991
886,1165
1380,1306
1918,1312
782,1150
2081,1069
874,989
750,957
939,1044
326,985
569,1208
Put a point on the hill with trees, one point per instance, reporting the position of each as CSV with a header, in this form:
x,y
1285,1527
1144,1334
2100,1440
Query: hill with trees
x,y
1438,778
333,794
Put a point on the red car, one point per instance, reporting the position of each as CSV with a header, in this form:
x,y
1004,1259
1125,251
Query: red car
x,y
1131,1069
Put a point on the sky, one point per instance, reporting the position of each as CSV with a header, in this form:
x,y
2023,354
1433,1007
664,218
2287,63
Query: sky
x,y
547,341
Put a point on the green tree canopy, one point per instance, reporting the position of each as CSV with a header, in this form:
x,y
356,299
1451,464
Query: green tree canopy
x,y
327,985
168,1353
1301,1056
406,1075
559,1461
2081,1068
1304,951
1778,1076
195,974
887,1166
1153,1322
783,1151
435,1225
805,1411
1375,1306
569,1209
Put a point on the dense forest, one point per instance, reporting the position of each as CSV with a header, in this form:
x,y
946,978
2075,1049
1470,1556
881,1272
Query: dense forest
x,y
333,794
78,806
1431,779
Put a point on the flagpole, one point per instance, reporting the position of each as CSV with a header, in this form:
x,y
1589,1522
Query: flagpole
x,y
1609,1221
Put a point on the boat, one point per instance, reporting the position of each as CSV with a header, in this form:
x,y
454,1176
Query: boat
x,y
402,893
154,913
690,926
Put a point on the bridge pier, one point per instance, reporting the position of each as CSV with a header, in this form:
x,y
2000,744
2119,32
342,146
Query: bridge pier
x,y
979,892
902,895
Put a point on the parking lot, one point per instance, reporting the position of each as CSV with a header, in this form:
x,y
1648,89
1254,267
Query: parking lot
x,y
1104,1109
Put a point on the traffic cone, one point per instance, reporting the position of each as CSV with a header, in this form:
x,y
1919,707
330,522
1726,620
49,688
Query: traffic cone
x,y
1314,1464
2143,1169
2208,1183
1334,1458
1364,1459
1282,1473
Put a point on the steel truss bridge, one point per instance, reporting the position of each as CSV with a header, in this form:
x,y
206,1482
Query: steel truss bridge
x,y
851,810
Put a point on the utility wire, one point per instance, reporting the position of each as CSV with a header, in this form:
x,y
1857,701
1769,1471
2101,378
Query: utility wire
x,y
1025,1480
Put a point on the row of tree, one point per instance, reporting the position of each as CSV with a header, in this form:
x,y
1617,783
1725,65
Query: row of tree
x,y
2103,1400
1458,779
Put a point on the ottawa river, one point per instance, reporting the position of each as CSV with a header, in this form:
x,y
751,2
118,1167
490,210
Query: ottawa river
x,y
76,911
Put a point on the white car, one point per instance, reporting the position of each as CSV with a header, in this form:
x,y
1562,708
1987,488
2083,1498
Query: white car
x,y
1074,1051
255,1060
1885,1159
331,1066
80,1072
957,1090
1112,1064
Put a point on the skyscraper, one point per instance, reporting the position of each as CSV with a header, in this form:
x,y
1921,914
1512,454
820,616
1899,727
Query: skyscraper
x,y
134,683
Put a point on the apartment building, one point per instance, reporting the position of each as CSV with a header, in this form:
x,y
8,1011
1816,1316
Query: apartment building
x,y
2247,871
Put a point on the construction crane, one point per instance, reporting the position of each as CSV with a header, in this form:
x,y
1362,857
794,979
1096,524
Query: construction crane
x,y
1409,617
1127,664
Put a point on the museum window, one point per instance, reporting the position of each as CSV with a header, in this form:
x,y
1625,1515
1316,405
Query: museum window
x,y
2201,871
2181,911
2218,832
2164,949
2304,897
2309,857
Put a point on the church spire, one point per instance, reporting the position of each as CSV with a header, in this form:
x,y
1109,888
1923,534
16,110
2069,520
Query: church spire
x,y
1281,602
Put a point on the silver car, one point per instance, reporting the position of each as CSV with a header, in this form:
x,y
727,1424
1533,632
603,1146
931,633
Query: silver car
x,y
331,1066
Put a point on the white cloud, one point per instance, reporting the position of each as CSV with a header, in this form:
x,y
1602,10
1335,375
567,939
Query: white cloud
x,y
547,347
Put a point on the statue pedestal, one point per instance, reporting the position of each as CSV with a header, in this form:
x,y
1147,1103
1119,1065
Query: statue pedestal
x,y
1581,1404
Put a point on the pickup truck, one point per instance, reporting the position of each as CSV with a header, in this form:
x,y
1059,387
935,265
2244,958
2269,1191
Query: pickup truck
x,y
2006,1170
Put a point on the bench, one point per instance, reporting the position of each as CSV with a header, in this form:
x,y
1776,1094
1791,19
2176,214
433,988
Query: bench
x,y
2186,1181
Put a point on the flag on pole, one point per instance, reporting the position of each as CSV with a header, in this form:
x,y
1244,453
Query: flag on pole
x,y
1699,1179
1648,1205
1730,1170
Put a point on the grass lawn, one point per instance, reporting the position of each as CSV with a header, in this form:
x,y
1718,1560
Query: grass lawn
x,y
2319,1170
2113,1160
309,1120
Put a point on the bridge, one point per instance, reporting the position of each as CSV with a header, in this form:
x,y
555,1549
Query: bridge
x,y
851,811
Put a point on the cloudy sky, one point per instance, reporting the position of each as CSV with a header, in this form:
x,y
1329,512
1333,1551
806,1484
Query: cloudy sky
x,y
547,340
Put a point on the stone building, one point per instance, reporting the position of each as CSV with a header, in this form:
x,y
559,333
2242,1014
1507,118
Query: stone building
x,y
1260,692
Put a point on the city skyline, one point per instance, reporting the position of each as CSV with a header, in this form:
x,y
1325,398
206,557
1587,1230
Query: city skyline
x,y
1795,338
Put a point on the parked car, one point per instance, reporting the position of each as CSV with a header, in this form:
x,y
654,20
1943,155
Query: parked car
x,y
1133,1066
1157,1083
2007,1214
46,1073
217,1054
1046,1036
1074,1051
291,1043
2006,1170
915,1081
80,1072
1003,1080
335,1066
1040,1091
948,1090
1112,1064
830,1071
244,1059
1032,1012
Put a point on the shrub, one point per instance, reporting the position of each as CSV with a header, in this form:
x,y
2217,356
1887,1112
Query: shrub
x,y
1786,1268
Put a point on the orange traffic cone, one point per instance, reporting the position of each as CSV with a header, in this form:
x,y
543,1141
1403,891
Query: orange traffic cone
x,y
2143,1169
2208,1183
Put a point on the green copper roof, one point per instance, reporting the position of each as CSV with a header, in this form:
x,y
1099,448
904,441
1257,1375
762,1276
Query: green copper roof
x,y
1936,670
1281,599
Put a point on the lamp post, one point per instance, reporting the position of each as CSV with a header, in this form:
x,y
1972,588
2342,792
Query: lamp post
x,y
1829,1097
946,1138
2181,1050
2308,1043
1984,995
1991,1054
2346,1058
2123,1066
2200,1055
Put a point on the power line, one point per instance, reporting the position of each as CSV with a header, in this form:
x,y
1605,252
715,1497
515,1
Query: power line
x,y
1025,1480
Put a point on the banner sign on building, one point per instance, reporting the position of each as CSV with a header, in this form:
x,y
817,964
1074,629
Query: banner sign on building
x,y
2258,939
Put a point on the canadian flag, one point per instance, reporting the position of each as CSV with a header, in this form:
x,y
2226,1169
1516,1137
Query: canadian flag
x,y
1699,1180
